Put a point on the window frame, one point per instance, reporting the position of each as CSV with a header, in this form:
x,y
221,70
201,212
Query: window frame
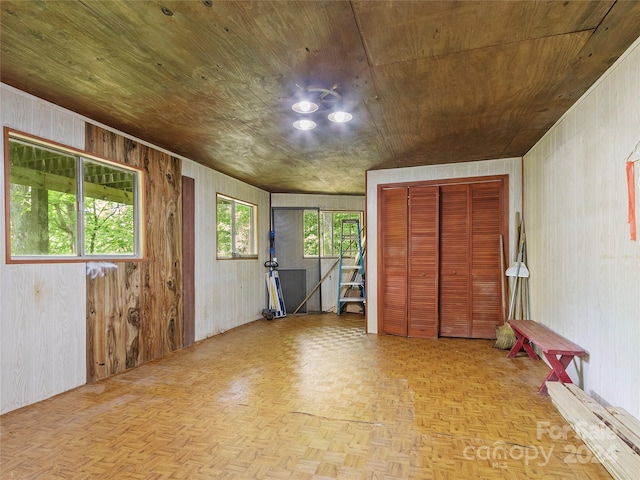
x,y
80,156
253,228
321,236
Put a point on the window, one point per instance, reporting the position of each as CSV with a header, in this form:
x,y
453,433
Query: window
x,y
65,204
322,231
236,228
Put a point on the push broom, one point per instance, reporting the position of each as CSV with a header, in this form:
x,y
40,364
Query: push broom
x,y
505,336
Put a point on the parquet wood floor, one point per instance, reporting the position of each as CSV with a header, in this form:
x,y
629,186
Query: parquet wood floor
x,y
308,397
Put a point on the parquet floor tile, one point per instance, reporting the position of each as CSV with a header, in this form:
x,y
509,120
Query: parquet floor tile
x,y
310,397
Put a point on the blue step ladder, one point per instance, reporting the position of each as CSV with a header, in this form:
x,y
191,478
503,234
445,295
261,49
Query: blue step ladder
x,y
351,275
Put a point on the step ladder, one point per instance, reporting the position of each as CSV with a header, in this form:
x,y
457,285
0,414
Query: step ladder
x,y
351,275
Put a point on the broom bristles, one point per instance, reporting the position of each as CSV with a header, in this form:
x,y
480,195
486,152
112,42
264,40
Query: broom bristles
x,y
505,338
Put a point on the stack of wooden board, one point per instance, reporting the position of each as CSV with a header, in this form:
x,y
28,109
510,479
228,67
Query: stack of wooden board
x,y
612,434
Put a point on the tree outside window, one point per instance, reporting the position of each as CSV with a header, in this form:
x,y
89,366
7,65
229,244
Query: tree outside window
x,y
236,228
322,231
64,204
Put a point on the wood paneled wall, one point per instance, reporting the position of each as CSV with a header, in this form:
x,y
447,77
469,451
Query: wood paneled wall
x,y
230,292
42,306
134,312
585,270
45,314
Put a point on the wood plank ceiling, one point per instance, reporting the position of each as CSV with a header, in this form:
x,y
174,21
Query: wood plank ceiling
x,y
428,82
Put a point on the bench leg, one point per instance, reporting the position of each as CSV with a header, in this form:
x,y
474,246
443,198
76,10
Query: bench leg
x,y
558,370
532,353
522,342
516,346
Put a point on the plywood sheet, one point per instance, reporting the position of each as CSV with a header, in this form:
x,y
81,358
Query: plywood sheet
x,y
134,313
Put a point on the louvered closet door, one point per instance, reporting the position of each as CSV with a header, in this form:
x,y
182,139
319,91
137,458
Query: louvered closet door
x,y
486,221
455,305
393,248
423,262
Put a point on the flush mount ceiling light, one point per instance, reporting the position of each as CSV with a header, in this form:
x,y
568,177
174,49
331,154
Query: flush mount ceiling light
x,y
340,117
305,106
325,101
304,124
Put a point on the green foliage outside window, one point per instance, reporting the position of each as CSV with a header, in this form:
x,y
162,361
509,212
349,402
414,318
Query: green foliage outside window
x,y
45,199
224,227
108,227
236,228
324,235
311,233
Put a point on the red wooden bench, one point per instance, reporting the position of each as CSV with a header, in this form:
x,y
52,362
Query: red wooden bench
x,y
557,350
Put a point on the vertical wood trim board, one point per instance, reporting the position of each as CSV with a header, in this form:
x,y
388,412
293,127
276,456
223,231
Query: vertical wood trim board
x,y
134,314
188,260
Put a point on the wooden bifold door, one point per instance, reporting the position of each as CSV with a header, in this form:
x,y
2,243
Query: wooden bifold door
x,y
439,257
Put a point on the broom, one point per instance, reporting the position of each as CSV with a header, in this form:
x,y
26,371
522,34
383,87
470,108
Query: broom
x,y
505,338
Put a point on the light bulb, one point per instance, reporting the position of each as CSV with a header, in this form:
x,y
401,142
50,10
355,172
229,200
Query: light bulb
x,y
304,106
304,124
340,117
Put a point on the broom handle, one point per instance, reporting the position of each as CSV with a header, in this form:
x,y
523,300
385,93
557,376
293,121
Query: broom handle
x,y
515,284
502,278
316,287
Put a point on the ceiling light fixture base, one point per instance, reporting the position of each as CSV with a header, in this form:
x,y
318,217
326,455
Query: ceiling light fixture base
x,y
314,99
